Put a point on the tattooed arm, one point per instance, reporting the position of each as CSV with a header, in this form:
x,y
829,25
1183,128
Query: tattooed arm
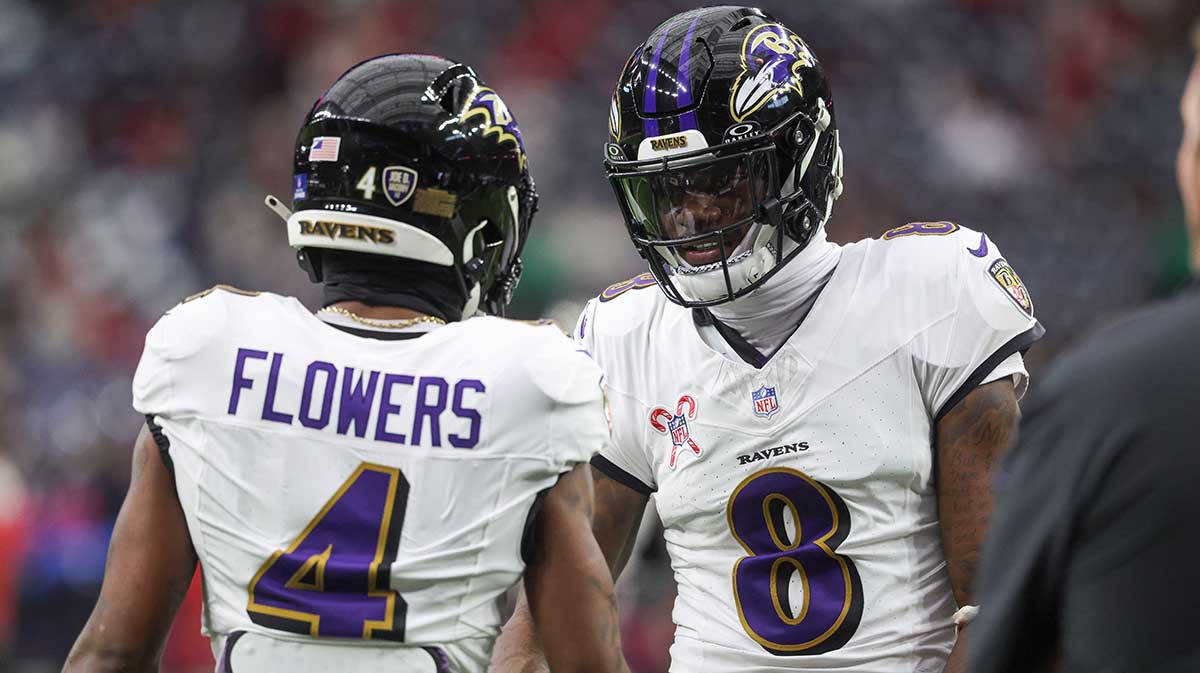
x,y
150,565
618,513
970,439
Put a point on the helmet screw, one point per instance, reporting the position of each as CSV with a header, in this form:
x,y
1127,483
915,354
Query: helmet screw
x,y
473,269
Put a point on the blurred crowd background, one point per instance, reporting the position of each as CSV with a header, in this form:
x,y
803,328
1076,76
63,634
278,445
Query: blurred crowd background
x,y
138,138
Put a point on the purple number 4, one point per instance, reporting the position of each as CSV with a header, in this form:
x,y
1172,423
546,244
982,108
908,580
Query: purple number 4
x,y
333,580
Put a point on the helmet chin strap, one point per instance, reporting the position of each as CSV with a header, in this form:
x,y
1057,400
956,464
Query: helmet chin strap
x,y
767,316
472,305
473,293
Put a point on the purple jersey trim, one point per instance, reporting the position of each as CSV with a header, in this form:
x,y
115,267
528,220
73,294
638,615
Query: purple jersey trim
x,y
688,121
1018,344
614,472
440,660
226,663
651,100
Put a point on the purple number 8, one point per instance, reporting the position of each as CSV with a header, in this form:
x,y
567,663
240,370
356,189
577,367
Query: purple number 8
x,y
333,580
832,605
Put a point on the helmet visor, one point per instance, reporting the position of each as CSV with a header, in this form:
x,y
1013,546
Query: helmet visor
x,y
698,212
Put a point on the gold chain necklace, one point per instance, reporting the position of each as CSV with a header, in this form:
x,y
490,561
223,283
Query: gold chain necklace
x,y
384,324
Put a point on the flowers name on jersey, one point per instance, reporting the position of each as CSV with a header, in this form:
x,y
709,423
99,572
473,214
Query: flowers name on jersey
x,y
766,402
676,425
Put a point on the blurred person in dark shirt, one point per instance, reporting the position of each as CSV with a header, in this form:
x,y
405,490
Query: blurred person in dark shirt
x,y
1091,561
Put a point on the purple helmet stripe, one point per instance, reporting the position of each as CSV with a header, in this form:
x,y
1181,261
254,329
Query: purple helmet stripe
x,y
651,100
688,121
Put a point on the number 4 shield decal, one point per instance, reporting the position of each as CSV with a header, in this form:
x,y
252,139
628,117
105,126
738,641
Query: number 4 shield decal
x,y
399,183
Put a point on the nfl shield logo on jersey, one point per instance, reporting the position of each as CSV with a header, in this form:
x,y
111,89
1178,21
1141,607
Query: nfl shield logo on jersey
x,y
679,430
765,402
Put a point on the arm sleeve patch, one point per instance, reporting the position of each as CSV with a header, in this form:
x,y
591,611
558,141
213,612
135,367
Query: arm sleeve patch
x,y
988,317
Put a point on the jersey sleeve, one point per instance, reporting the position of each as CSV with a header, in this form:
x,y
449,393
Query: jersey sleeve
x,y
173,345
990,323
1012,367
621,459
576,424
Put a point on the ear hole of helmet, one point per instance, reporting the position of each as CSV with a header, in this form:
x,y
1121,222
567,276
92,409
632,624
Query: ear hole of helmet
x,y
492,237
457,95
453,88
448,100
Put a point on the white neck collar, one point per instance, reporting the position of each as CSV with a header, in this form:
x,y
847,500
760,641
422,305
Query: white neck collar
x,y
767,316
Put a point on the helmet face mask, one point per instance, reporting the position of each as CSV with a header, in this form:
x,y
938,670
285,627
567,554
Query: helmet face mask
x,y
736,159
413,157
696,215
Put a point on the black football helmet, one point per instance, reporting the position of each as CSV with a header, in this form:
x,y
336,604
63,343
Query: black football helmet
x,y
723,151
413,156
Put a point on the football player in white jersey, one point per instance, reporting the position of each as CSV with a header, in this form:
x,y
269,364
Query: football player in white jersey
x,y
816,421
360,486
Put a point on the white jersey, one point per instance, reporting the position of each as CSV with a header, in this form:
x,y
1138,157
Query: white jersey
x,y
798,499
359,504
